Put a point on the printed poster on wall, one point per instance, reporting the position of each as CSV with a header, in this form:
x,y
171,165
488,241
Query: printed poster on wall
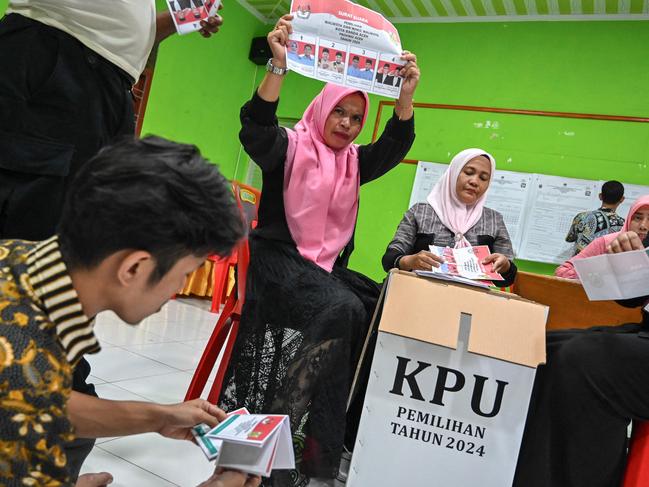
x,y
338,41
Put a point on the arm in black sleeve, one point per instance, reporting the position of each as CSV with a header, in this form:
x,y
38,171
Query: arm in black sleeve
x,y
403,241
261,136
508,277
389,149
633,302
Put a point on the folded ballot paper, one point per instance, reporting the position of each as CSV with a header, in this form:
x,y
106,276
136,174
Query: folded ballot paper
x,y
251,443
615,276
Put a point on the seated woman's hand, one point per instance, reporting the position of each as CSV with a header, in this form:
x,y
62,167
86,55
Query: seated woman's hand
x,y
501,263
625,242
421,261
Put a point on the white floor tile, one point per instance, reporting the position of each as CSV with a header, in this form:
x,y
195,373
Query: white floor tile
x,y
153,361
180,462
125,474
115,333
95,380
168,388
115,393
173,354
180,332
117,364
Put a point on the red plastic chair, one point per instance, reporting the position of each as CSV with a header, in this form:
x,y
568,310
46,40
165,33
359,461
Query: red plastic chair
x,y
637,466
248,200
227,326
221,273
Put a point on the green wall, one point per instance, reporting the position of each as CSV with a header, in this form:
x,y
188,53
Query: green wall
x,y
199,85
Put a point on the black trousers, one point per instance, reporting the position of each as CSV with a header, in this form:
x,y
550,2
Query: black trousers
x,y
595,382
60,103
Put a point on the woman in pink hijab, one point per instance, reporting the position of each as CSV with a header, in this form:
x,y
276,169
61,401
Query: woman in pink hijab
x,y
306,314
636,221
454,215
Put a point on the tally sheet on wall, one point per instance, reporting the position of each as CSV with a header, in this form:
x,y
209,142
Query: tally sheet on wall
x,y
555,202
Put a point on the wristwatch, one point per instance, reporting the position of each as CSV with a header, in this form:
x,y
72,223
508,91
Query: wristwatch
x,y
271,68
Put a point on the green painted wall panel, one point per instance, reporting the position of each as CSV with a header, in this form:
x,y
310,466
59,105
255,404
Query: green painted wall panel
x,y
199,85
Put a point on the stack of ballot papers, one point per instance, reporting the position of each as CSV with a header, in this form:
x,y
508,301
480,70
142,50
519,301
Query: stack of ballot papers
x,y
448,277
615,276
465,262
251,443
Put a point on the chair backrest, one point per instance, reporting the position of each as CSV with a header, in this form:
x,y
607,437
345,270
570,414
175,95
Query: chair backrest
x,y
569,305
247,199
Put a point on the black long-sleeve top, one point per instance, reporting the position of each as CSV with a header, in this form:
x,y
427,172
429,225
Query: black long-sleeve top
x,y
266,143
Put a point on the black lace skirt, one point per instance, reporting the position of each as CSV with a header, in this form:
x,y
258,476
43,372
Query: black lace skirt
x,y
300,337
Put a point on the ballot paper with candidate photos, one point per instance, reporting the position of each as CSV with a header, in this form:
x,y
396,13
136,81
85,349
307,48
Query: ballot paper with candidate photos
x,y
187,14
341,42
254,443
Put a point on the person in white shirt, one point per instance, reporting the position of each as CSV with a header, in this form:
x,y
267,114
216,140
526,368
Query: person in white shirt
x,y
66,72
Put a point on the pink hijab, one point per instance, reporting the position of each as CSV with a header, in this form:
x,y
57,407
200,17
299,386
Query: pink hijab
x,y
455,215
321,184
599,245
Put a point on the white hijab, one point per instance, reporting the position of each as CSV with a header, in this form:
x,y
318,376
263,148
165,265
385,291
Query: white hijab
x,y
455,215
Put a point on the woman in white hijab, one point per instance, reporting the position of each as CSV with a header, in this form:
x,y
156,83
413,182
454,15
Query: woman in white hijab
x,y
454,215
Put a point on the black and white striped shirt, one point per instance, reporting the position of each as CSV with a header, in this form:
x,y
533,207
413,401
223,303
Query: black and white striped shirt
x,y
52,285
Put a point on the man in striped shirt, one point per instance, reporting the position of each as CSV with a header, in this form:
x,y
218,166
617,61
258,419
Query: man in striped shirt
x,y
139,217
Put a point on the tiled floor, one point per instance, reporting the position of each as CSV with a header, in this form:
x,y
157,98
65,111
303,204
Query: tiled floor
x,y
152,361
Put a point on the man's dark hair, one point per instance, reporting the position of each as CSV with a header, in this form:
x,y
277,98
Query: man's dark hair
x,y
149,194
325,50
356,58
368,61
612,192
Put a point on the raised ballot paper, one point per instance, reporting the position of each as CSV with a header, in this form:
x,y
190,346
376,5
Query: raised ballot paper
x,y
341,42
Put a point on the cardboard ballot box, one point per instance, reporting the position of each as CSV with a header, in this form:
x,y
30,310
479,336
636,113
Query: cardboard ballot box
x,y
449,386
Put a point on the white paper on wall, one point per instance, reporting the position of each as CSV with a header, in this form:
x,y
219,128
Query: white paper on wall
x,y
428,173
553,204
509,194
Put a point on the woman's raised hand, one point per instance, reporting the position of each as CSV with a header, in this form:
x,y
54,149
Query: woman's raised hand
x,y
410,73
278,38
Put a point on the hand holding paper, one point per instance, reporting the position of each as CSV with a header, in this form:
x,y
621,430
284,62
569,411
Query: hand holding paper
x,y
500,263
178,419
469,262
624,242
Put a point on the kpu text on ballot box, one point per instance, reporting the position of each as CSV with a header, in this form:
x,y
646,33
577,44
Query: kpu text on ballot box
x,y
449,386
